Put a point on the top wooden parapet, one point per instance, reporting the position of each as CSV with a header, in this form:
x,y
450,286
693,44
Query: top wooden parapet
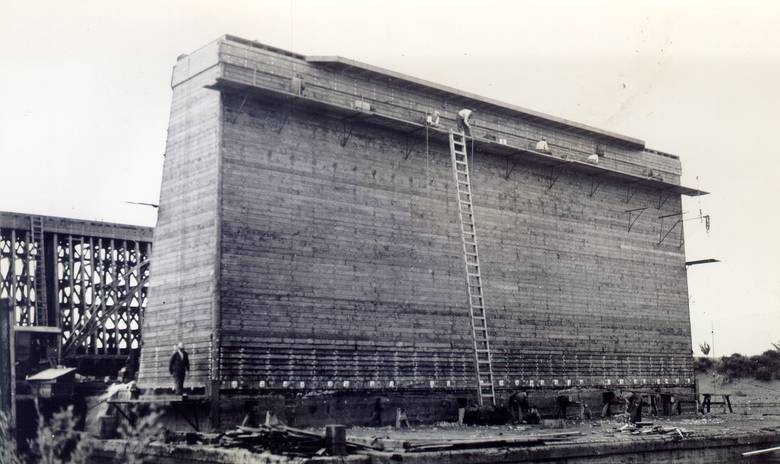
x,y
359,93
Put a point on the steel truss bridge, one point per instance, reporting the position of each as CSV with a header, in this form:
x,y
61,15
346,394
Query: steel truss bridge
x,y
89,279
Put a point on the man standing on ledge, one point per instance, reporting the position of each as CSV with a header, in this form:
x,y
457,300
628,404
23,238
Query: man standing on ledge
x,y
464,121
179,366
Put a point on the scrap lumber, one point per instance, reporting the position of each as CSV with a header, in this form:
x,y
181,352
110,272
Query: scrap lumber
x,y
488,442
283,439
761,451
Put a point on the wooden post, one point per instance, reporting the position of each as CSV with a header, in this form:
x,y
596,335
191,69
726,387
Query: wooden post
x,y
7,374
215,374
336,439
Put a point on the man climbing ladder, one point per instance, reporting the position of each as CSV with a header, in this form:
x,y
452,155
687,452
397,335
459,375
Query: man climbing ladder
x,y
483,361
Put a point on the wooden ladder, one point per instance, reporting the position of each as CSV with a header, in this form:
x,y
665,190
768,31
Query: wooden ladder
x,y
36,236
483,358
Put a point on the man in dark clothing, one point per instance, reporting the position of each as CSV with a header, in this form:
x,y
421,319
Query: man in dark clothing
x,y
607,398
563,402
634,405
532,417
179,366
518,405
376,417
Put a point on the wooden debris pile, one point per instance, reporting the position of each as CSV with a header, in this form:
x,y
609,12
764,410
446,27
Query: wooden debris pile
x,y
290,441
489,442
649,428
282,439
279,439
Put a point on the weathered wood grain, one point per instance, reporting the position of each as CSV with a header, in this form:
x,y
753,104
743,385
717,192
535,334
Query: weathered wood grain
x,y
335,251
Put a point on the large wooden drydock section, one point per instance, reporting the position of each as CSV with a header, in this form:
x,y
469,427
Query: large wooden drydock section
x,y
309,241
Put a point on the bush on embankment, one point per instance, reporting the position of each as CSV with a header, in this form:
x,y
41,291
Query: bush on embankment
x,y
764,366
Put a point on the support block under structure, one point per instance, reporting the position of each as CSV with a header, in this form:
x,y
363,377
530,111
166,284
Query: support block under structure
x,y
308,247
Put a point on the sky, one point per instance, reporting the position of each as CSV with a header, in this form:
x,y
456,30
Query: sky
x,y
85,95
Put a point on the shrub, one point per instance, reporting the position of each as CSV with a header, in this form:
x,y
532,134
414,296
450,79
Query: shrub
x,y
764,366
702,364
736,366
58,442
771,360
8,451
146,429
764,373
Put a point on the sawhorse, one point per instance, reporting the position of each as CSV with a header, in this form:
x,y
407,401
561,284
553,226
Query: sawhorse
x,y
707,402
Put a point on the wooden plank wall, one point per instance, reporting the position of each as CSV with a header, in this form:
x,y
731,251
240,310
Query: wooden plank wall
x,y
335,262
342,266
184,281
575,295
254,66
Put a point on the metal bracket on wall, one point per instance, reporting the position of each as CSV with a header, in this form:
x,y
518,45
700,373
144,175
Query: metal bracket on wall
x,y
555,174
408,142
663,196
234,119
346,129
634,215
595,182
663,235
510,167
287,111
631,189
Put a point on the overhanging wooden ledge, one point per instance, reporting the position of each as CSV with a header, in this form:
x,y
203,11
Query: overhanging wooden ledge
x,y
354,67
357,67
412,128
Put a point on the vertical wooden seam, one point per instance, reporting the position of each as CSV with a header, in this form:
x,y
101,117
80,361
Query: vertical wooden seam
x,y
217,282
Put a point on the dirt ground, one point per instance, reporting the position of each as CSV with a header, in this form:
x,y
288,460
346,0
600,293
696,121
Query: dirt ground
x,y
749,394
591,431
756,408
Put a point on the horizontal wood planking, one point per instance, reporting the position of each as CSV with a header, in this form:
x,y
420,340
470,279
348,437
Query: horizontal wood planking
x,y
336,245
253,66
345,261
183,274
